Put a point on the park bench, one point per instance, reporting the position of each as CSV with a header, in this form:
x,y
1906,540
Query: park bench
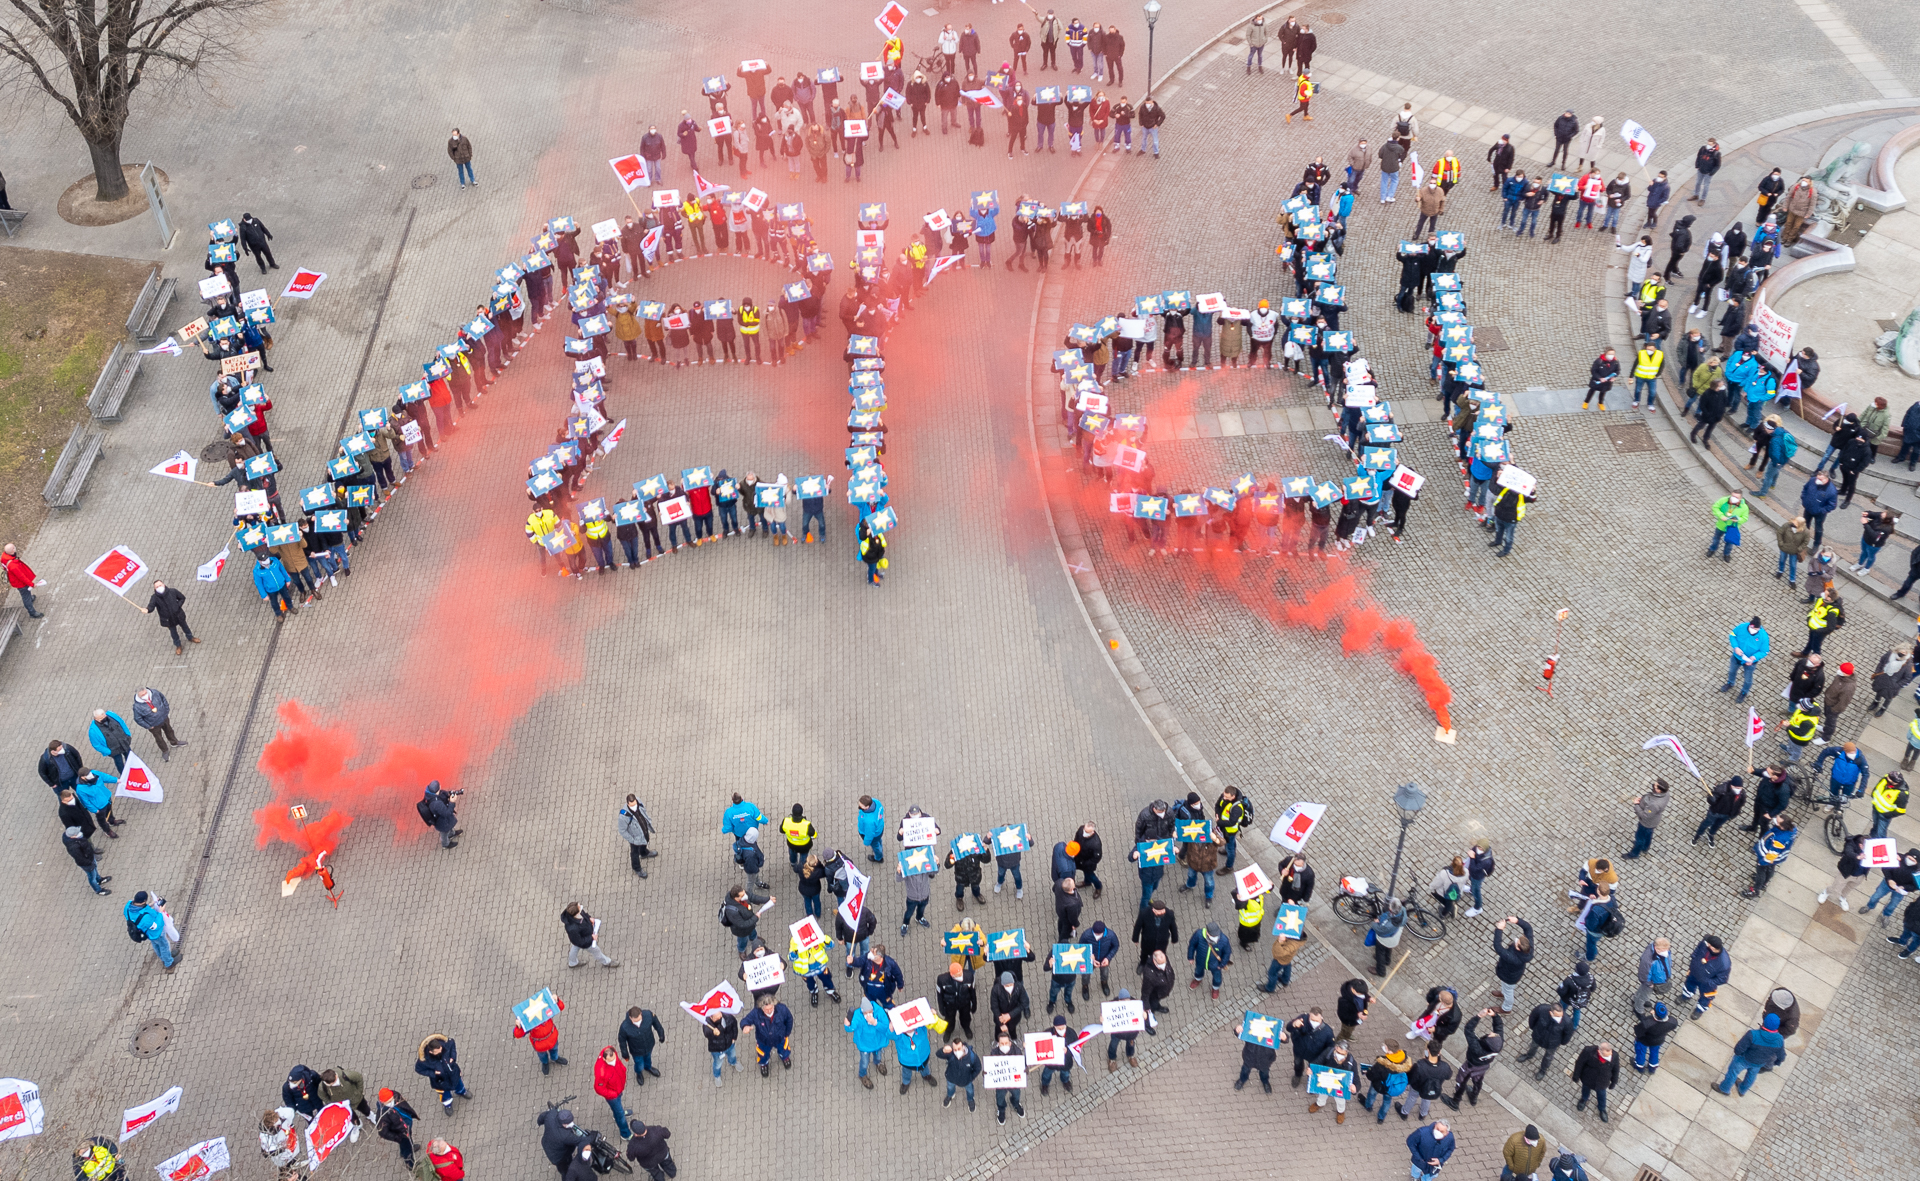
x,y
76,459
144,323
10,625
10,219
116,379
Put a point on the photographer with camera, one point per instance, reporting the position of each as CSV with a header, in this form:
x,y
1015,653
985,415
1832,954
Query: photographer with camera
x,y
437,809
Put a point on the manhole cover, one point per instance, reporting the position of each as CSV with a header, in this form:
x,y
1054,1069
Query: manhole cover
x,y
1632,436
1489,339
426,180
216,452
1332,18
152,1037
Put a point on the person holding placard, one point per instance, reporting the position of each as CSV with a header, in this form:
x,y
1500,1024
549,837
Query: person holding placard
x,y
1010,1079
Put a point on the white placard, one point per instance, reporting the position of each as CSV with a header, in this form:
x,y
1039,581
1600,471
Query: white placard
x,y
763,972
1407,480
215,285
21,1113
1251,881
253,301
1091,403
202,1160
877,239
1045,1049
910,1016
1213,302
1004,1072
1776,335
605,231
410,433
1879,852
1512,477
917,830
1133,329
1122,1016
938,220
666,198
135,1120
250,503
807,933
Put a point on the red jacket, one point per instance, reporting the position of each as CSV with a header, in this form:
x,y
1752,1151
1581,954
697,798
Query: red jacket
x,y
545,1036
1592,188
258,426
18,573
451,1167
700,500
438,394
609,1078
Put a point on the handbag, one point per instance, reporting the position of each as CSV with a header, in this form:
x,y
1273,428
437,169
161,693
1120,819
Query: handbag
x,y
1369,941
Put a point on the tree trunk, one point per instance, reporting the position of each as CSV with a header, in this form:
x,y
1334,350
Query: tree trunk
x,y
110,182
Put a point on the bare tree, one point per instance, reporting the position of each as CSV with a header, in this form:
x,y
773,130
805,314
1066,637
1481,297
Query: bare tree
x,y
89,56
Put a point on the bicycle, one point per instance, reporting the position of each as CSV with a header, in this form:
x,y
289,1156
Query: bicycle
x,y
1359,903
607,1157
1834,825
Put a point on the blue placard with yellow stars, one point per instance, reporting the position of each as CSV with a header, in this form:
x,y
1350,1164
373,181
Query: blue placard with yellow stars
x,y
510,273
1290,922
1378,412
282,535
1446,281
1297,486
1450,303
1457,354
1066,359
1150,508
652,487
1296,204
1080,94
986,201
1072,959
1133,424
1084,335
1494,452
1223,497
1379,459
1260,1029
318,496
1302,335
1245,484
629,512
357,444
1189,504
696,477
966,943
1381,433
810,487
882,521
874,401
260,466
1198,831
873,215
1011,838
1155,852
1147,305
1311,231
373,418
223,229
260,317
865,380
536,1010
863,346
223,252
594,510
223,328
250,536
563,225
861,457
1325,493
869,364
359,495
1359,488
917,860
1452,240
1330,1080
1007,945
253,394
866,489
1469,372
1295,309
968,844
330,520
863,420
596,326
343,467
769,496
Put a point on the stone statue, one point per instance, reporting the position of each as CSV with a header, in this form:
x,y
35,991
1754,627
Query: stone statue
x,y
1834,184
1902,346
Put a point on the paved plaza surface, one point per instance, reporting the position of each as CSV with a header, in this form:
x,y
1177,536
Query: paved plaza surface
x,y
968,683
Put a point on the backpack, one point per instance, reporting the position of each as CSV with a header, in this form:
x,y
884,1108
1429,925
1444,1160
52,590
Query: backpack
x,y
134,932
426,811
1402,128
1789,446
1613,926
723,916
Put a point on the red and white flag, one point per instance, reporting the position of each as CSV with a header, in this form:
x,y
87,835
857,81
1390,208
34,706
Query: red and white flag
x,y
169,346
1251,881
139,783
1639,142
1756,726
180,467
650,242
135,1119
704,188
331,1125
1296,825
1672,744
891,18
632,171
210,570
613,437
984,97
856,899
720,999
118,569
303,284
21,1113
807,933
1086,1035
945,263
202,1160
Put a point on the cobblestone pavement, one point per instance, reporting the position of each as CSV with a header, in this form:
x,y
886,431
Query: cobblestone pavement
x,y
974,688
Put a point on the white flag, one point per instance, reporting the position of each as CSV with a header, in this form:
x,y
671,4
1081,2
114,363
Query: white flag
x,y
1672,744
1639,142
181,467
138,782
21,1113
856,899
1413,169
1296,824
945,263
136,1119
202,1160
1756,726
118,570
210,571
167,346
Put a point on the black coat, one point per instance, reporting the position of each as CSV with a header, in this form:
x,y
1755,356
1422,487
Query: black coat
x,y
170,605
443,1073
1712,406
1590,1071
1308,1041
1296,893
78,848
958,996
254,234
1546,1030
637,1038
1148,827
65,768
556,1141
441,805
1652,1031
1155,932
1000,1001
1428,1077
1353,1002
1513,961
1156,984
1091,850
1484,1048
75,815
579,928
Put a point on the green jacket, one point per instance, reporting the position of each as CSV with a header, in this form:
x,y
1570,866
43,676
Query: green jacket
x,y
1873,424
1725,513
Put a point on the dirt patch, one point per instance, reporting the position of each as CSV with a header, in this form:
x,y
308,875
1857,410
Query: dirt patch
x,y
60,315
78,207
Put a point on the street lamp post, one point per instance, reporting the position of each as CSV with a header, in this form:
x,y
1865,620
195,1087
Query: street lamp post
x,y
1153,18
1408,799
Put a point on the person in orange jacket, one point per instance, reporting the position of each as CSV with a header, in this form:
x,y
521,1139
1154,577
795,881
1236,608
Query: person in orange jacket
x,y
546,1040
1303,89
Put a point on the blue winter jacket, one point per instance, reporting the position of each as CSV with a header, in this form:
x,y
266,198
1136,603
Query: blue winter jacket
x,y
98,793
99,740
869,1038
269,576
1751,647
873,822
1818,498
150,921
1063,866
913,1049
1848,769
1762,1047
741,817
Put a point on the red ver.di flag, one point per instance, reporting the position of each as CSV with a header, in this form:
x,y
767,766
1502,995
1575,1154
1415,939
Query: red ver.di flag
x,y
303,284
20,1111
719,999
333,1124
138,783
631,171
118,569
202,1160
1296,825
855,902
135,1119
891,18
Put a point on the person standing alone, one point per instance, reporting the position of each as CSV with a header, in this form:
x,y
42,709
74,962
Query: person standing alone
x,y
460,151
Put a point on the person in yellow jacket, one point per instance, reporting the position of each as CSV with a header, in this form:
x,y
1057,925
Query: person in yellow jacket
x,y
1252,912
813,966
599,535
1730,514
1889,800
747,318
575,557
917,255
696,221
1802,725
799,832
1303,89
1827,615
975,959
540,522
1648,362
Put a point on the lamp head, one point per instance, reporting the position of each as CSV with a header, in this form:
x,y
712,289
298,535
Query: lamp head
x,y
1408,800
1153,12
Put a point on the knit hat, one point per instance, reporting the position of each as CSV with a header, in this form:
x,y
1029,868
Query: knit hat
x,y
1772,1023
1660,1010
1713,944
1006,977
1532,1134
74,832
1846,668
